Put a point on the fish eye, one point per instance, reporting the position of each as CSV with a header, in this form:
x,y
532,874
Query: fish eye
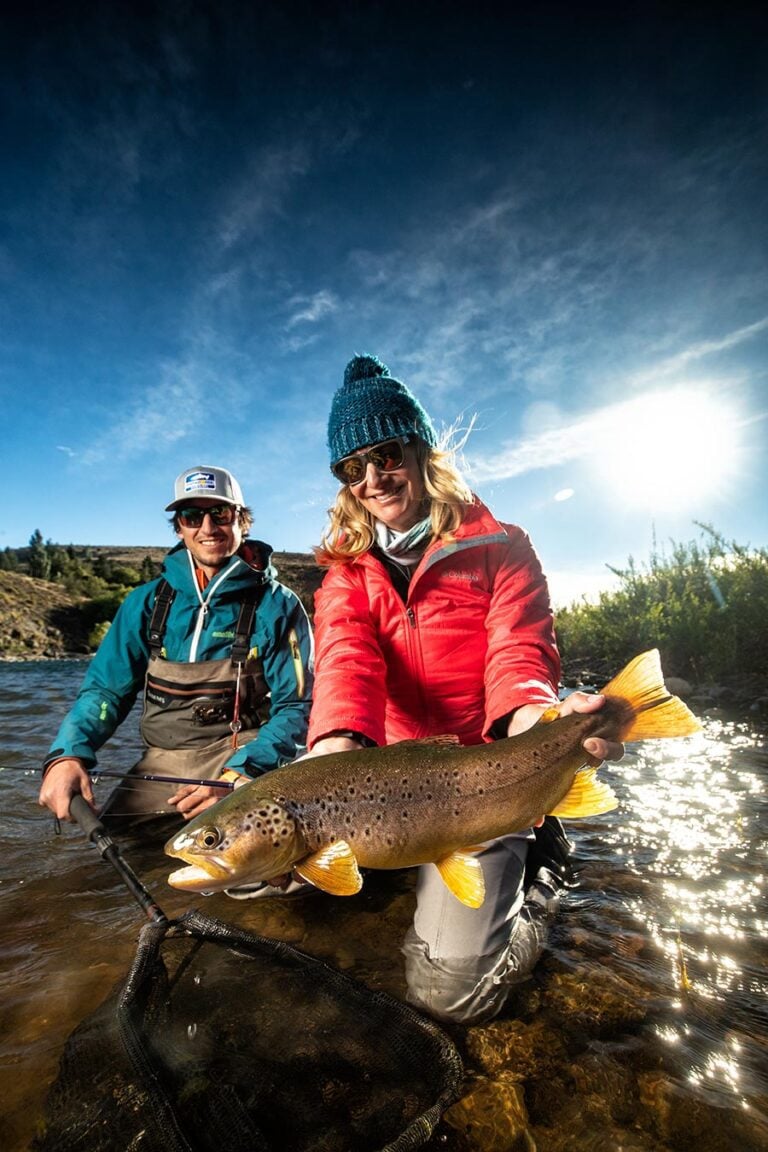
x,y
209,837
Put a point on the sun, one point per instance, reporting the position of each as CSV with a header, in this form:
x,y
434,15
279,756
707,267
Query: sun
x,y
672,450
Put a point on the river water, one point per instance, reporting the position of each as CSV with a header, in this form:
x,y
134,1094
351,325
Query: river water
x,y
671,907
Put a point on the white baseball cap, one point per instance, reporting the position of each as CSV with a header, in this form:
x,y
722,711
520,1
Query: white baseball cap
x,y
203,480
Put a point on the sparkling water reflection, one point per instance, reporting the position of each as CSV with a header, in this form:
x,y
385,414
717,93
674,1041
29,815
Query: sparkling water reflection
x,y
671,899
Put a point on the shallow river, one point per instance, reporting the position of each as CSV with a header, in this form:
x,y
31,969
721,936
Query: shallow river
x,y
671,905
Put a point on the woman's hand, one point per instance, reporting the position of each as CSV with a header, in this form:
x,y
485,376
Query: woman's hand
x,y
328,744
596,748
63,780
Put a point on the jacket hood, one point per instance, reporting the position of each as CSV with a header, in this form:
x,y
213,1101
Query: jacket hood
x,y
252,556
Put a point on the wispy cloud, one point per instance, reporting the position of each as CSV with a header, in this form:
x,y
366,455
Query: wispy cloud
x,y
577,439
310,309
161,414
66,450
676,364
260,193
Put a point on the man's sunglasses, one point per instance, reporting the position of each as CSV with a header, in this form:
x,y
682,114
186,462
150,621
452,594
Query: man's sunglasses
x,y
221,514
385,457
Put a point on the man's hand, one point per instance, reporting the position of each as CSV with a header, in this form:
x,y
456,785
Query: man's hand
x,y
192,799
63,780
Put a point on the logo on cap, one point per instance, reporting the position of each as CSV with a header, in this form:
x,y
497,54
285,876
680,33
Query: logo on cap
x,y
200,482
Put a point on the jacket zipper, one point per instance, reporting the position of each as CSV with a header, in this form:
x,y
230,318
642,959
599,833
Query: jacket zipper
x,y
200,624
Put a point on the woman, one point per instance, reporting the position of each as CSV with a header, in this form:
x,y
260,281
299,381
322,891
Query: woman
x,y
434,618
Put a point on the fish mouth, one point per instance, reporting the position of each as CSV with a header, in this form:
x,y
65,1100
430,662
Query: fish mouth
x,y
193,878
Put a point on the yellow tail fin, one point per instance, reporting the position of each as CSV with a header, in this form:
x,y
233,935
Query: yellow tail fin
x,y
656,713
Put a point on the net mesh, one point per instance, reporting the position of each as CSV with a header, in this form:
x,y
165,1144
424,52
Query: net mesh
x,y
223,1039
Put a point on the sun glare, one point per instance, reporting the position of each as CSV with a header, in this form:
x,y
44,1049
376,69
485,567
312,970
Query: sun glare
x,y
669,450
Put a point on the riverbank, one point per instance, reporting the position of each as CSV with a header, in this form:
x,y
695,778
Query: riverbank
x,y
39,620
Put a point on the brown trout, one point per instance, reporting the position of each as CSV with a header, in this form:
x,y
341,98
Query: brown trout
x,y
420,801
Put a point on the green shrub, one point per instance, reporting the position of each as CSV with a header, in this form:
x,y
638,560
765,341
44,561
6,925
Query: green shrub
x,y
705,607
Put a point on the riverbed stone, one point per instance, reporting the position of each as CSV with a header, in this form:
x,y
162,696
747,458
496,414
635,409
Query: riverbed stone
x,y
492,1117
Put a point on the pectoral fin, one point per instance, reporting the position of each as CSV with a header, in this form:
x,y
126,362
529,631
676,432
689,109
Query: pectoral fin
x,y
587,796
333,869
463,876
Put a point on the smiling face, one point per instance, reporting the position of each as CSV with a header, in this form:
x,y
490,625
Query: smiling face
x,y
211,544
396,498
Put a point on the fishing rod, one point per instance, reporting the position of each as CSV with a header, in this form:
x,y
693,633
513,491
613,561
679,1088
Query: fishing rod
x,y
93,828
97,773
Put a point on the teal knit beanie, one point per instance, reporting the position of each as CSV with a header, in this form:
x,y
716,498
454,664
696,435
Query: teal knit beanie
x,y
372,406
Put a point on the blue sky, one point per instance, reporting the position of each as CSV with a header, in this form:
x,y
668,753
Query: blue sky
x,y
552,218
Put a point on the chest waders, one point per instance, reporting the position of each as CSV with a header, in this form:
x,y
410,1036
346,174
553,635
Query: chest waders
x,y
193,713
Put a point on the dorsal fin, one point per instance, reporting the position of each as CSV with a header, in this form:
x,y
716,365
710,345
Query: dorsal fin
x,y
445,740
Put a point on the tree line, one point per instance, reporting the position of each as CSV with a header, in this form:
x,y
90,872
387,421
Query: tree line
x,y
100,582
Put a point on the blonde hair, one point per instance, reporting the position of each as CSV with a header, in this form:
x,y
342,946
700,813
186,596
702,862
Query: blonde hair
x,y
352,529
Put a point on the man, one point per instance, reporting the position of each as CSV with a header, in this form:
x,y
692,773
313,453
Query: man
x,y
222,652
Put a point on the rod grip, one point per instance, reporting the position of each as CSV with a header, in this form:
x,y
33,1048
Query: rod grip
x,y
85,816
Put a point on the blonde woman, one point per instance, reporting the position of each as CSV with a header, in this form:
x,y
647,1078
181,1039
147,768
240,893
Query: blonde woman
x,y
434,618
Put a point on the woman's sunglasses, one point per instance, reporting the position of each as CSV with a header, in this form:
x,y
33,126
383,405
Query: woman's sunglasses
x,y
385,457
221,514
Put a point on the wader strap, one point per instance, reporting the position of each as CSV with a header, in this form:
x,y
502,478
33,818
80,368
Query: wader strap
x,y
244,627
162,606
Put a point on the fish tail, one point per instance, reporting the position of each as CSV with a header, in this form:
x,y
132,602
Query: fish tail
x,y
652,712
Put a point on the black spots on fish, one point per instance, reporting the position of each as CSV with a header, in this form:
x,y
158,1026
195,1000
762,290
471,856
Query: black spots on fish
x,y
351,789
406,795
457,812
377,817
369,778
382,799
404,814
366,832
390,841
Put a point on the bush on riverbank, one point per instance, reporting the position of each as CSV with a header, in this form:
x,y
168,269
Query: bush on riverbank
x,y
704,606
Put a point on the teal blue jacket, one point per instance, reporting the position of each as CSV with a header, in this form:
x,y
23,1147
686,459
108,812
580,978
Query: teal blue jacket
x,y
281,632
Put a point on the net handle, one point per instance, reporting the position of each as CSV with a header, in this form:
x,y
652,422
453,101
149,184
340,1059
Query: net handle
x,y
93,828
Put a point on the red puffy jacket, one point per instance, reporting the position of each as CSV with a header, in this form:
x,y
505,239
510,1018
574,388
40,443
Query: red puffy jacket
x,y
474,640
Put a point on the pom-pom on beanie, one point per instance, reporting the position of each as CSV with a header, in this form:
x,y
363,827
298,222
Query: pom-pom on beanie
x,y
372,406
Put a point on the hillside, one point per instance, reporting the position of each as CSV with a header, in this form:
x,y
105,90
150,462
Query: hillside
x,y
40,619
